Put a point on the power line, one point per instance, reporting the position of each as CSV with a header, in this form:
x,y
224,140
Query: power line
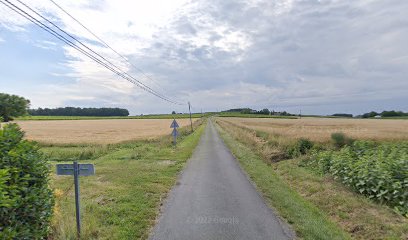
x,y
62,38
104,43
74,38
110,66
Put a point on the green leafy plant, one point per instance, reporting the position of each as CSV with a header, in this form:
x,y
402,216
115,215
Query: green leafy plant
x,y
26,200
341,140
378,171
301,147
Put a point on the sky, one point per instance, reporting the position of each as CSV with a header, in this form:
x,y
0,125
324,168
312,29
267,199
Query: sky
x,y
314,56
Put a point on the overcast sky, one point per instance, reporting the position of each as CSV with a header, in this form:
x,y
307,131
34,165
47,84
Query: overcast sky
x,y
320,56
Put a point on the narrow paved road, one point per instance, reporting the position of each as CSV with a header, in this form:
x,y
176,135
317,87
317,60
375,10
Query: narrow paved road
x,y
214,200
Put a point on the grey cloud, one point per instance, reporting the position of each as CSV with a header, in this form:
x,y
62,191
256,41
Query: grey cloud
x,y
322,55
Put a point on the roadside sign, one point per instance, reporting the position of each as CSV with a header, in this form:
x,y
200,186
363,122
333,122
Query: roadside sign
x,y
76,170
68,169
174,124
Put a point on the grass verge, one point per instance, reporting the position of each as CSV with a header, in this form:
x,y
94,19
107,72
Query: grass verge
x,y
307,220
122,200
357,216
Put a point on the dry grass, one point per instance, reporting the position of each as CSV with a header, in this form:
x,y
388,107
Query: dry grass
x,y
320,129
97,131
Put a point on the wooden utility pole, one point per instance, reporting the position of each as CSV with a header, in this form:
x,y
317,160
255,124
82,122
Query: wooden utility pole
x,y
191,121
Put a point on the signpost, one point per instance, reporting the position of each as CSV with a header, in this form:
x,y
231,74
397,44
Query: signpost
x,y
174,125
76,170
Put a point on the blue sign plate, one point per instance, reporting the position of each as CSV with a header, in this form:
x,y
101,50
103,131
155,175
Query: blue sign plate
x,y
68,169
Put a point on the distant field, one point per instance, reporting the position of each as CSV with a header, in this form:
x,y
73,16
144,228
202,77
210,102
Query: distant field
x,y
103,131
155,116
242,115
320,129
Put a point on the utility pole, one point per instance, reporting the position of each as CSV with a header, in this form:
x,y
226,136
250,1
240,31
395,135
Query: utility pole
x,y
300,114
191,121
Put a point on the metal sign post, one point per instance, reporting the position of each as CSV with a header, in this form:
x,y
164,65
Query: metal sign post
x,y
77,208
175,133
76,170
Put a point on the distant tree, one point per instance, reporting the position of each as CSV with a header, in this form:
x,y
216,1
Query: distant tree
x,y
12,106
264,111
284,113
240,110
342,115
174,112
246,111
369,115
393,114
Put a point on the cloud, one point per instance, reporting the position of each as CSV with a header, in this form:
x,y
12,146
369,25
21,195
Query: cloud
x,y
232,53
47,45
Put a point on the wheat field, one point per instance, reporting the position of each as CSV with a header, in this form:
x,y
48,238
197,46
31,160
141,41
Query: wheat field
x,y
320,129
102,131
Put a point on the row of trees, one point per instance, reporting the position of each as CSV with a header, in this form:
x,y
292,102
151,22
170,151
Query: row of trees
x,y
384,114
76,111
343,115
264,111
15,106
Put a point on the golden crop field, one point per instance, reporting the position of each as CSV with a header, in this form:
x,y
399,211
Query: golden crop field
x,y
320,129
102,131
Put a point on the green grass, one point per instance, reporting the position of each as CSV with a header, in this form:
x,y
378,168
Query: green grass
x,y
352,212
122,200
153,116
307,220
67,153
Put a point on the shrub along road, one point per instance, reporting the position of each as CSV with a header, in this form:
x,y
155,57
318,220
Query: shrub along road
x,y
214,200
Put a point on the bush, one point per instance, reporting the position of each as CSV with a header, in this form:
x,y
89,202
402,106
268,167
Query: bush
x,y
340,140
301,147
378,171
26,200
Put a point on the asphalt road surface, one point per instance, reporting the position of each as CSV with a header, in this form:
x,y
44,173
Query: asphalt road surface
x,y
213,199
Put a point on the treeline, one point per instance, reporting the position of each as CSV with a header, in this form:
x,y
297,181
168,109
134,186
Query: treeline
x,y
385,114
343,115
264,111
76,111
